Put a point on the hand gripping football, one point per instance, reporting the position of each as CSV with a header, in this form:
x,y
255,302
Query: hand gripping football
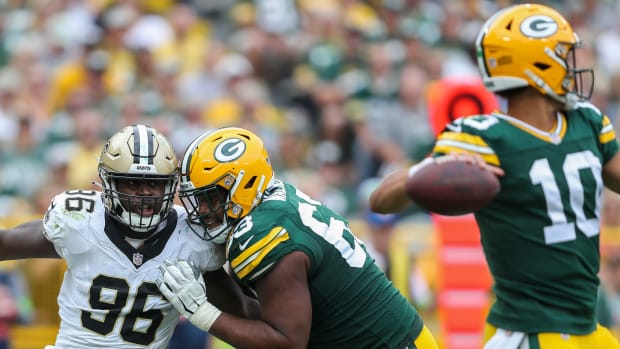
x,y
452,188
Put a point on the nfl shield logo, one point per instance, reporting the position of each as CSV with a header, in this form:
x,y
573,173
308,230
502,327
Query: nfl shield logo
x,y
137,258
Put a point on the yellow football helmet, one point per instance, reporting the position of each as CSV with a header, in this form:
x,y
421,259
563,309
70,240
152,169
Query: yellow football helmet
x,y
135,154
532,45
224,174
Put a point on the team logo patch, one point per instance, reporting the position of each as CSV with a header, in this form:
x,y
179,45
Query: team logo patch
x,y
539,26
138,259
229,150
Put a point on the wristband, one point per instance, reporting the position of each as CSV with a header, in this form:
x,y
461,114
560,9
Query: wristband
x,y
205,316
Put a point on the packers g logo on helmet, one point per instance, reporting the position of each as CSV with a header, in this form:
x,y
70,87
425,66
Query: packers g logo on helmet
x,y
229,150
539,26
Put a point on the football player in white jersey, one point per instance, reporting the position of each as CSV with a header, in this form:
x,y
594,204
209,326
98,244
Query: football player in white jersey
x,y
114,241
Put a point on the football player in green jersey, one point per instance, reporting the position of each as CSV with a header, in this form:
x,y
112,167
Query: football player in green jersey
x,y
554,151
317,286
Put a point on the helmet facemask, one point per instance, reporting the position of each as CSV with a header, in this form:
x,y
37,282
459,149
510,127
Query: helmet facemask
x,y
578,81
139,175
221,214
215,221
141,213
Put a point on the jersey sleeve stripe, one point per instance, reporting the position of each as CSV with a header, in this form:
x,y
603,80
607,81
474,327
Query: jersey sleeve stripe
x,y
607,132
257,245
453,142
476,143
465,146
250,263
260,272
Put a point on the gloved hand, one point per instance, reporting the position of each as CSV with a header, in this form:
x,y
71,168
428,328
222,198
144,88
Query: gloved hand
x,y
186,290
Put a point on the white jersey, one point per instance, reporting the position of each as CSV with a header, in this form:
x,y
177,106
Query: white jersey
x,y
108,297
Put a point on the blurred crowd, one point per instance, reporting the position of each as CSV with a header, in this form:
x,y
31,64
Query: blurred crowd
x,y
336,88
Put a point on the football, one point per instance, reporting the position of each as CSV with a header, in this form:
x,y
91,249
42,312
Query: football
x,y
452,188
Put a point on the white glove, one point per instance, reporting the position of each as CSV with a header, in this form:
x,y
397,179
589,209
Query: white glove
x,y
185,289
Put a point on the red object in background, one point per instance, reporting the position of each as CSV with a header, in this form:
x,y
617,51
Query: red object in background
x,y
451,98
464,282
464,278
8,312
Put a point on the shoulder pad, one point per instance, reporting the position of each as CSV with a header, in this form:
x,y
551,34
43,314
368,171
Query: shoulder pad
x,y
473,122
588,105
71,210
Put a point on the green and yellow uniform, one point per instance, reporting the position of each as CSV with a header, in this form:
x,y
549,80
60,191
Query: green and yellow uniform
x,y
540,235
353,304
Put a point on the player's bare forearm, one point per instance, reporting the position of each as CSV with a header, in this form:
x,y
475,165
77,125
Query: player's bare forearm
x,y
25,241
255,334
286,310
391,195
228,296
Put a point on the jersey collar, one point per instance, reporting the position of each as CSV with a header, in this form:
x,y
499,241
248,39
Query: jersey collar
x,y
152,246
554,136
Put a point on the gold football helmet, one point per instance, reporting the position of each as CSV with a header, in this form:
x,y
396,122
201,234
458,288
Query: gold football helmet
x,y
224,174
532,45
138,154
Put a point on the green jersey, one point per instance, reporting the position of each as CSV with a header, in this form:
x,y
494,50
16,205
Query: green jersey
x,y
540,235
353,304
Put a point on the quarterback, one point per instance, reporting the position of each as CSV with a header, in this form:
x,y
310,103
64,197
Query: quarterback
x,y
113,243
316,284
556,150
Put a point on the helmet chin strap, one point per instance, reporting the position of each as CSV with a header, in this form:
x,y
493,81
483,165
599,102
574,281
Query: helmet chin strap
x,y
221,238
258,195
236,208
133,232
133,217
97,184
569,100
219,234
